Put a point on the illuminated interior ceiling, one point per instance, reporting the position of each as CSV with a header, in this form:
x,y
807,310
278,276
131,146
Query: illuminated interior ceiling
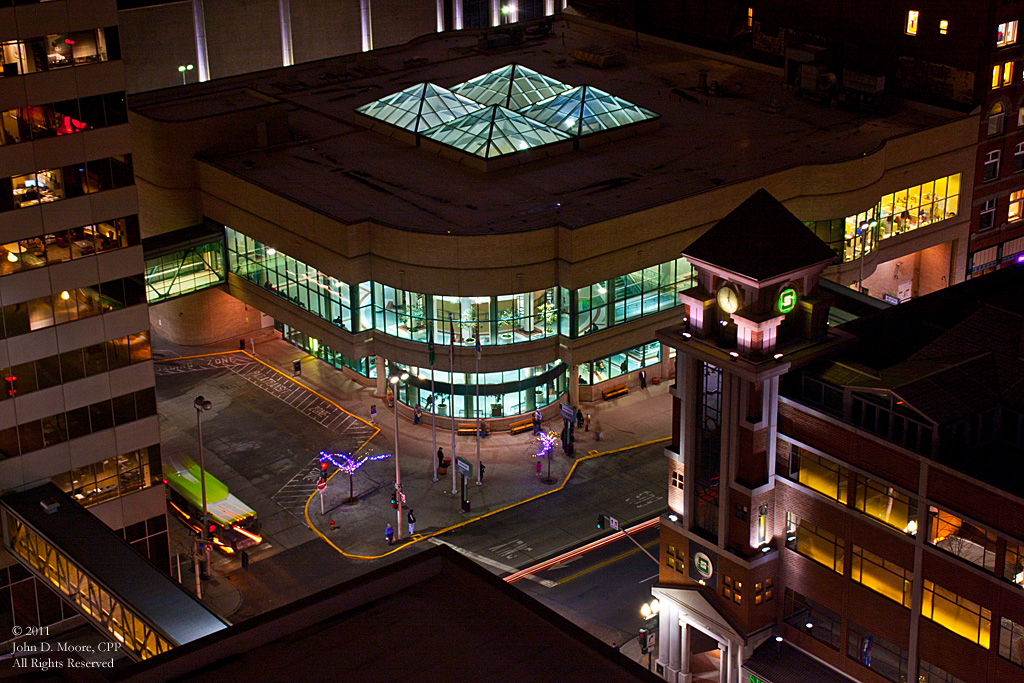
x,y
419,107
585,110
493,132
513,86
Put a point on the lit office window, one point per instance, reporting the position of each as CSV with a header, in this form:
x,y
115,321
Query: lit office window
x,y
1006,34
750,17
1016,200
956,613
814,542
818,473
882,576
1007,73
995,76
886,504
943,27
912,22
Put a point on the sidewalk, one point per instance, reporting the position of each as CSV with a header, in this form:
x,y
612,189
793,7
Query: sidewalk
x,y
639,417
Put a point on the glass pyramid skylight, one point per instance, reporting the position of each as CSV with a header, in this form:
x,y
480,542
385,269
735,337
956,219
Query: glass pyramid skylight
x,y
585,110
493,132
513,86
419,107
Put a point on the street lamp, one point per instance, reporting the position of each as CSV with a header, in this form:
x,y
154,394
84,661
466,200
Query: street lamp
x,y
201,405
395,379
182,68
649,612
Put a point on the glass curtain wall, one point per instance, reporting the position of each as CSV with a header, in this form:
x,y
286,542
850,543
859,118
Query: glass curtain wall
x,y
621,363
511,392
894,214
494,320
364,366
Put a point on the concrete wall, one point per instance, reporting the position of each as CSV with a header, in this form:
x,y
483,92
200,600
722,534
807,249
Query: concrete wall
x,y
245,35
203,318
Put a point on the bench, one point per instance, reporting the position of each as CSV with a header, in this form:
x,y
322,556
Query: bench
x,y
613,392
520,426
469,429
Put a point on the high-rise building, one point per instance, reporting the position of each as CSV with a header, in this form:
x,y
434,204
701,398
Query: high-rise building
x,y
77,403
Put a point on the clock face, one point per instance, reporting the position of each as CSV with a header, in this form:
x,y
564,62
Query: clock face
x,y
728,299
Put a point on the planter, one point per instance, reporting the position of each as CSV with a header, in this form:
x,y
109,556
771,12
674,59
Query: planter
x,y
495,410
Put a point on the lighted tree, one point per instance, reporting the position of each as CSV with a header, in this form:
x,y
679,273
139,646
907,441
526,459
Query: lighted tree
x,y
349,465
547,444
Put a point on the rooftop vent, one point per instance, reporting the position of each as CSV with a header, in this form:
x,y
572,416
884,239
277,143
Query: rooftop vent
x,y
49,506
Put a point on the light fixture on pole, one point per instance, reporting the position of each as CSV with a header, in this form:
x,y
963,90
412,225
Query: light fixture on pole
x,y
183,69
649,612
399,496
202,405
650,609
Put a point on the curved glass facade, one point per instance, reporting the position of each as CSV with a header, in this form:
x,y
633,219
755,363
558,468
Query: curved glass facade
x,y
495,320
511,392
894,214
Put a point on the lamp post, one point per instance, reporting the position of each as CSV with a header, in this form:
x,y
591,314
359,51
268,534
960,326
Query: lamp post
x,y
649,612
395,379
202,405
183,68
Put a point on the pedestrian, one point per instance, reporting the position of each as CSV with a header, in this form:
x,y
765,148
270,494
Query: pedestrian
x,y
537,418
586,423
579,418
539,465
412,523
483,468
440,457
389,534
623,367
373,414
390,398
643,379
416,415
597,429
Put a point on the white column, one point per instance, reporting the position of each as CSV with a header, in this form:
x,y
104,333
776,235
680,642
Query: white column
x,y
549,7
199,24
737,662
574,385
378,361
684,653
457,9
723,672
367,22
285,8
440,15
495,12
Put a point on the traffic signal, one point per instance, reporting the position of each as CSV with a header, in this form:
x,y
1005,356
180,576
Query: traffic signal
x,y
323,465
642,639
600,521
394,499
213,528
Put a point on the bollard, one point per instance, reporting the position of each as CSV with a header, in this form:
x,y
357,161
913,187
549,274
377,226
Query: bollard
x,y
332,525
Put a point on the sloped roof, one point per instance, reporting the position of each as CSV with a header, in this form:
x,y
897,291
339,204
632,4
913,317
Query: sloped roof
x,y
419,107
585,110
760,239
513,86
494,131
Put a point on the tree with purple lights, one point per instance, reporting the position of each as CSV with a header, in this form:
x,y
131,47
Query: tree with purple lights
x,y
349,465
547,444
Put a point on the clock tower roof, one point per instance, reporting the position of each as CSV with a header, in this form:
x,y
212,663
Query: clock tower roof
x,y
760,239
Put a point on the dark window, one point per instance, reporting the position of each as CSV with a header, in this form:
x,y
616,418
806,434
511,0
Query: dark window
x,y
121,170
24,378
16,319
71,366
145,402
95,359
54,429
30,434
74,180
116,110
48,372
100,416
124,409
9,442
92,111
78,422
117,353
824,623
99,175
134,532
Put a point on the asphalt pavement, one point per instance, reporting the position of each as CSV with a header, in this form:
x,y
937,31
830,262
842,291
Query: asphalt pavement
x,y
267,428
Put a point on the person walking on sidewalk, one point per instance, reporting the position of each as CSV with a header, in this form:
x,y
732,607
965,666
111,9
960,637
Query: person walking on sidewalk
x,y
643,378
389,534
586,422
579,418
483,468
536,421
539,465
597,429
440,457
373,414
412,523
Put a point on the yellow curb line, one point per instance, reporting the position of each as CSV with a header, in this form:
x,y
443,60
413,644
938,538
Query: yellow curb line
x,y
474,519
417,537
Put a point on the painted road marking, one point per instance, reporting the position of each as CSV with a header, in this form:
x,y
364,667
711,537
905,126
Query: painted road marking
x,y
643,499
481,559
510,550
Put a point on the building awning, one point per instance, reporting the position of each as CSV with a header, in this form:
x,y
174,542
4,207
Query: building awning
x,y
774,662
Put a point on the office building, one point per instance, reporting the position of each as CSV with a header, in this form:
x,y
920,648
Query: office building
x,y
77,406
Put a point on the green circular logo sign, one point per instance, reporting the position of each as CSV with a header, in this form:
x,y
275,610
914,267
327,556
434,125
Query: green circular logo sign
x,y
787,300
703,565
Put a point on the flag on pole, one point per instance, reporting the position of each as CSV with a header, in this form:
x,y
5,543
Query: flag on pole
x,y
478,347
451,343
430,346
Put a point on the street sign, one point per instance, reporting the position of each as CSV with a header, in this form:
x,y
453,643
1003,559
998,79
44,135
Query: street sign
x,y
463,467
321,484
613,523
567,412
651,636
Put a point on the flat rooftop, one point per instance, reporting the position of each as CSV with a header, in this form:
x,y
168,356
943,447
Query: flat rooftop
x,y
350,173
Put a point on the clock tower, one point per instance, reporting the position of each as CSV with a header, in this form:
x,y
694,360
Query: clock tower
x,y
755,312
